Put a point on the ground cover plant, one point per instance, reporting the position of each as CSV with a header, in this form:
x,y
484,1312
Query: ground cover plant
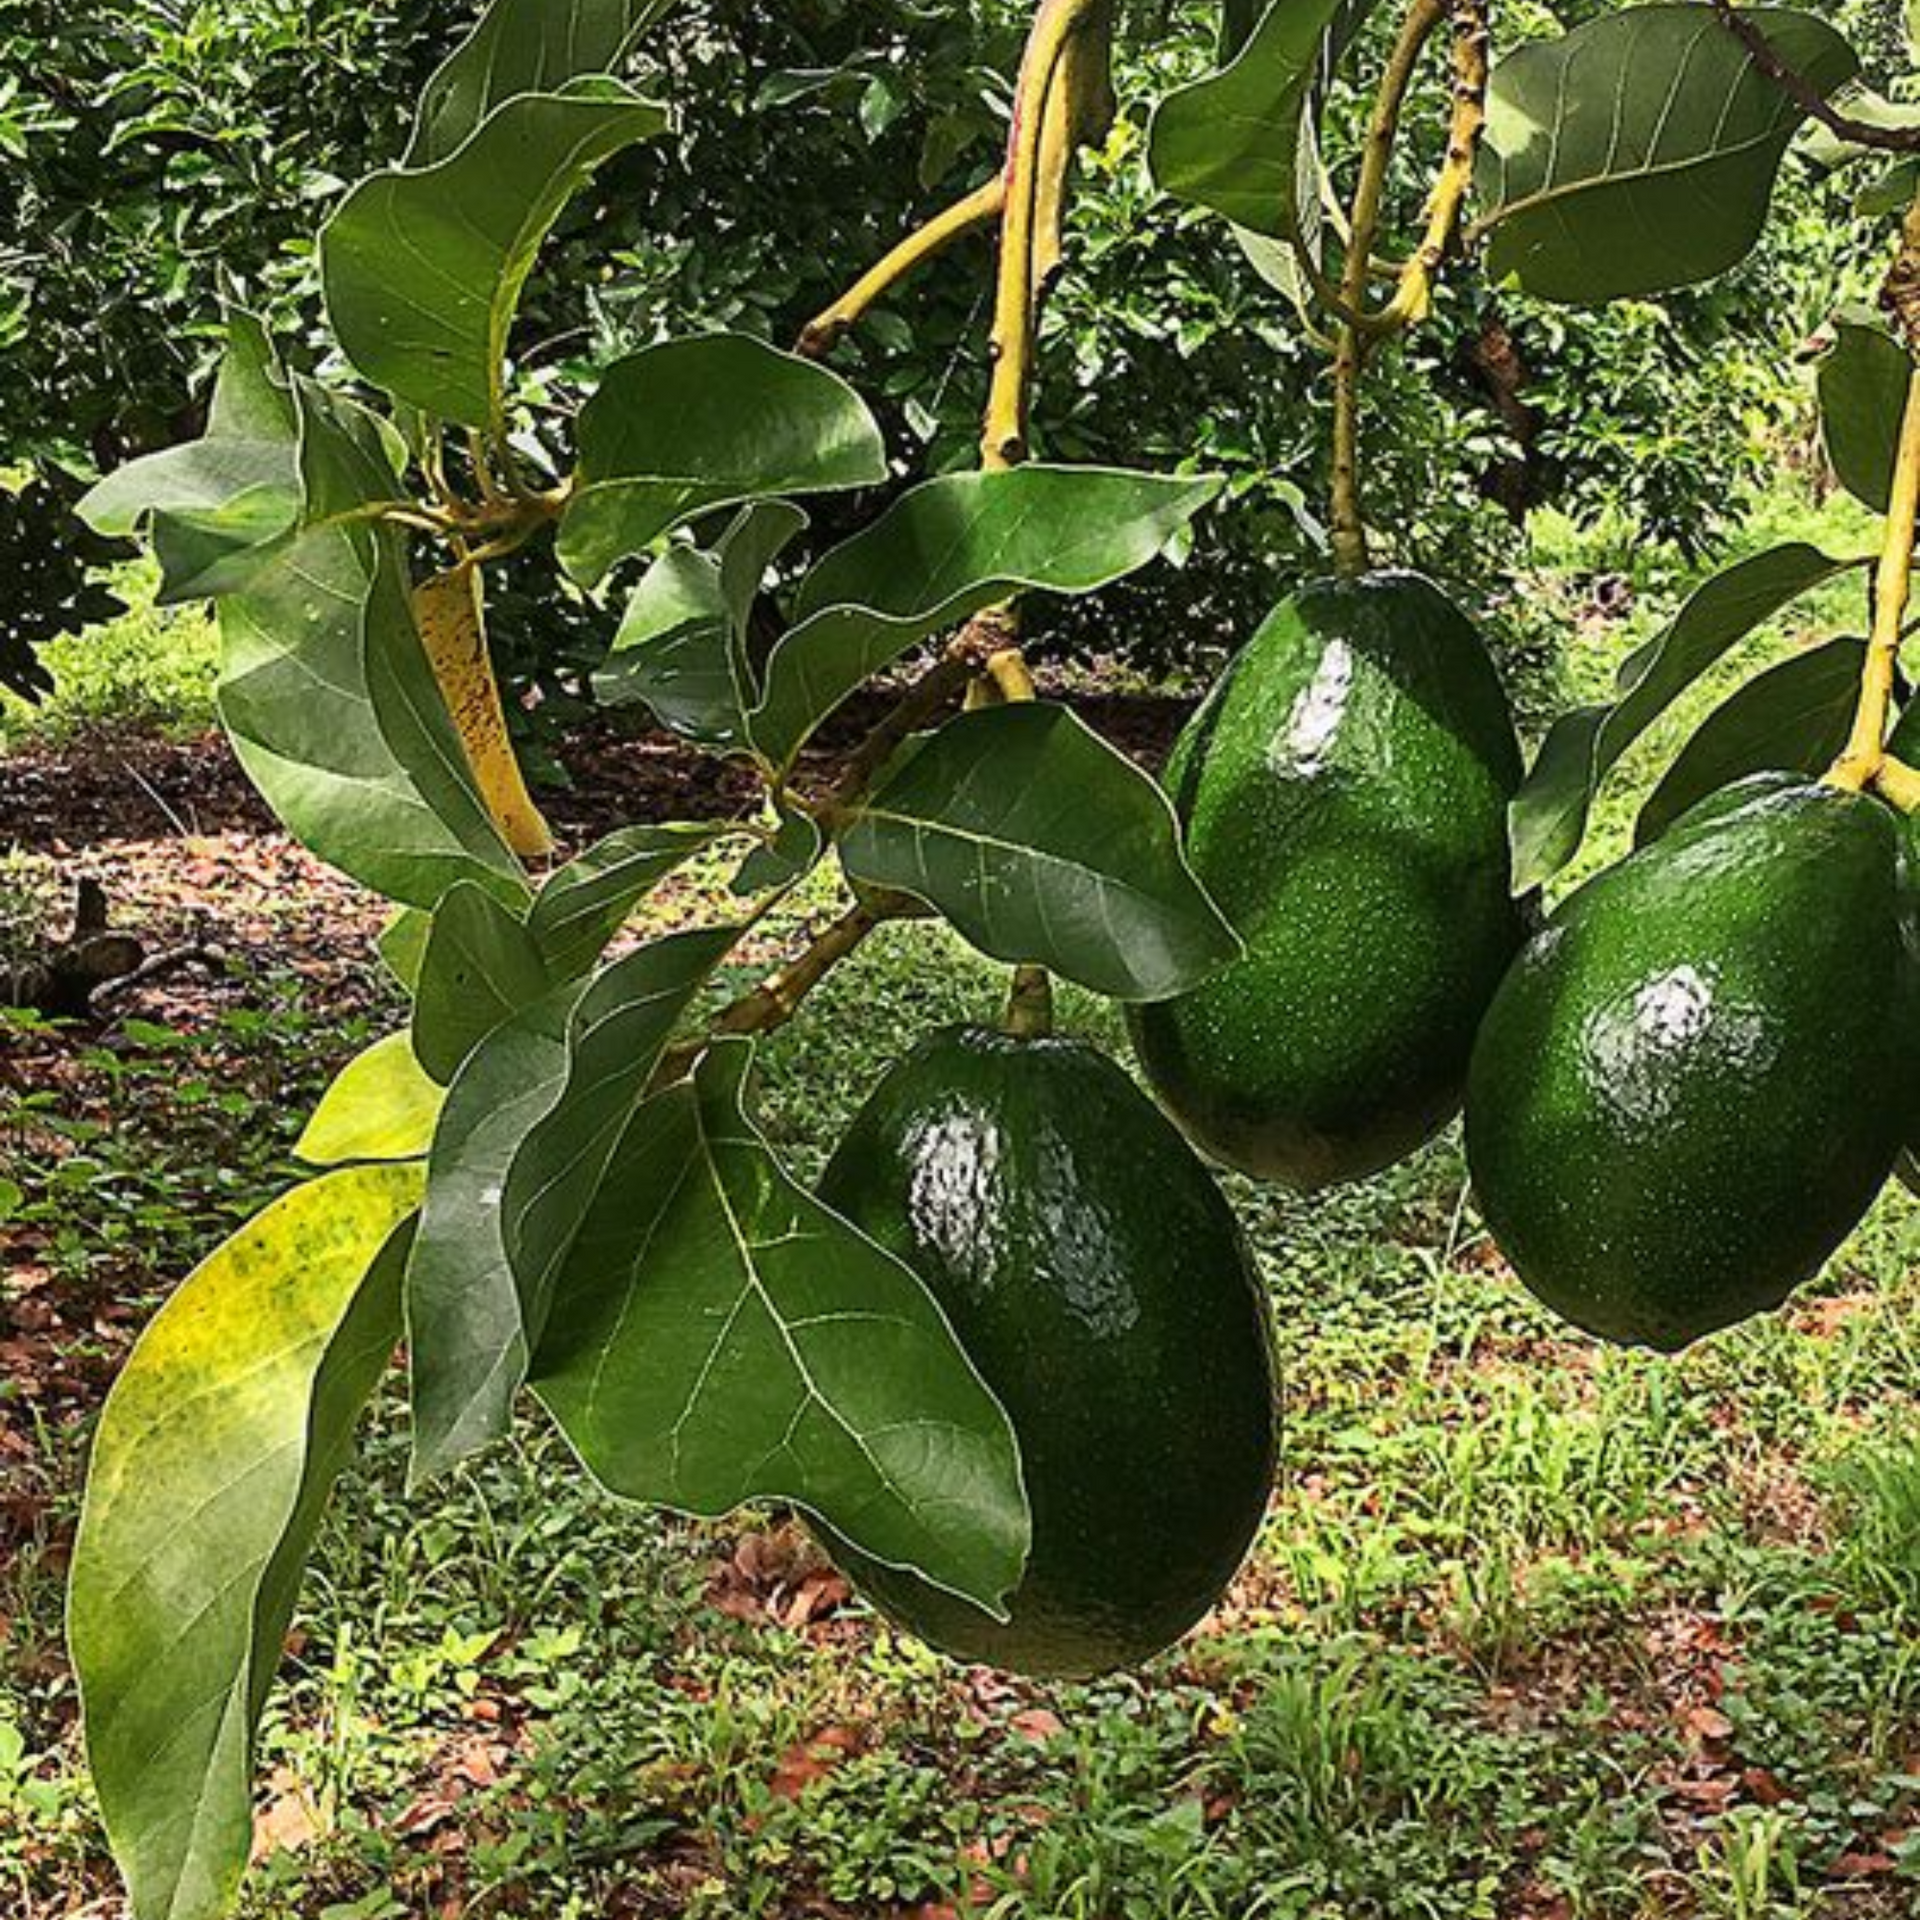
x,y
1009,1358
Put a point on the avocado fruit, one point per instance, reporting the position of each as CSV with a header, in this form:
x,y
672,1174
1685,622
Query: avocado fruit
x,y
1095,1275
1696,1079
1344,793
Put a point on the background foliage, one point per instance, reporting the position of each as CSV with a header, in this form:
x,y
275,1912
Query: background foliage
x,y
172,155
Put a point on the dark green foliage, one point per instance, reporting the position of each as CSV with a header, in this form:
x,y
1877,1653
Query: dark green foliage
x,y
1345,793
46,579
164,168
1688,1093
1098,1280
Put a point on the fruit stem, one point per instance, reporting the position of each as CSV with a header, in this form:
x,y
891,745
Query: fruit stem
x,y
1350,550
827,329
774,1002
1898,784
1865,757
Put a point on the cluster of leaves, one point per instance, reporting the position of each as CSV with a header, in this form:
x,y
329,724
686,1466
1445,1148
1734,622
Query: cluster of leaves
x,y
533,1179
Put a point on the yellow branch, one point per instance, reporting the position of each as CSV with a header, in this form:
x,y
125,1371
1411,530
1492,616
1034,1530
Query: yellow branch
x,y
1350,550
1004,442
823,333
1866,749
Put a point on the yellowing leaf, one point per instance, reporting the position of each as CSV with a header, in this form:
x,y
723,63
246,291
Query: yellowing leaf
x,y
213,1460
383,1106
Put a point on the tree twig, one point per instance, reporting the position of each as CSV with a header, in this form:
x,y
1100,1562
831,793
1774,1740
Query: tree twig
x,y
826,330
1805,95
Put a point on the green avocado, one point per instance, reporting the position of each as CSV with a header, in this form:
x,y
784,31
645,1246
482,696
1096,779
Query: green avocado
x,y
1696,1079
1097,1278
1345,795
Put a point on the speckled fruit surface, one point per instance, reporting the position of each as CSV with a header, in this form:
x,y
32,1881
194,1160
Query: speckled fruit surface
x,y
1098,1279
1345,798
1695,1081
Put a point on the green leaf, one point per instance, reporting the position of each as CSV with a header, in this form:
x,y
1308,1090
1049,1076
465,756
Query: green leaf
x,y
402,945
218,501
691,425
592,897
614,1044
328,696
423,269
1890,191
1041,843
382,1106
682,647
1638,152
520,47
719,1336
1864,383
798,846
1234,142
1549,816
214,1457
482,965
466,1340
944,551
532,1122
1794,718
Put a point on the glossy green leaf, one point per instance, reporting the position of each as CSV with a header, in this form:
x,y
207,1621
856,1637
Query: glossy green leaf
x,y
1794,718
944,551
1864,383
1549,816
213,1459
682,647
1638,152
692,425
382,1106
216,501
423,269
466,1340
1041,843
1233,142
719,1336
614,1044
481,966
519,47
674,652
402,945
798,846
373,777
531,1125
578,911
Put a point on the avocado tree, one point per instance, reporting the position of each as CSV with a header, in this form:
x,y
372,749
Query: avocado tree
x,y
1016,1269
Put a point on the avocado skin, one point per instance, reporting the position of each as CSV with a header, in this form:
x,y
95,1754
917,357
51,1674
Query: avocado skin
x,y
1696,1079
1345,795
1096,1276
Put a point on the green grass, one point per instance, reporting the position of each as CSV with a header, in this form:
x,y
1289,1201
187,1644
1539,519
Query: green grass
x,y
1500,1568
151,671
1536,1630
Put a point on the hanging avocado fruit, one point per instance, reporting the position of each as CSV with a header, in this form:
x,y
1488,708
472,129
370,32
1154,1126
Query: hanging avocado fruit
x,y
1097,1278
1685,1097
1345,797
